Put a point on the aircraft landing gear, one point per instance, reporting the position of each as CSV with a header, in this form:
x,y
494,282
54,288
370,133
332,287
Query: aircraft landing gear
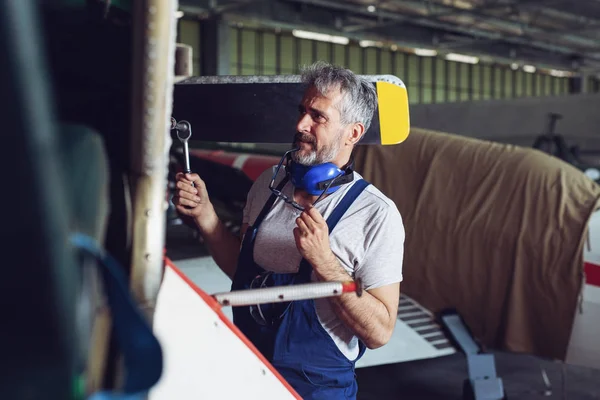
x,y
482,383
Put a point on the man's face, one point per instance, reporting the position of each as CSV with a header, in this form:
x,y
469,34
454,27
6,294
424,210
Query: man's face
x,y
320,133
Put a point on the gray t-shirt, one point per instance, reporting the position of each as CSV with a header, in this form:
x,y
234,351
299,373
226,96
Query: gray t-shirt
x,y
368,241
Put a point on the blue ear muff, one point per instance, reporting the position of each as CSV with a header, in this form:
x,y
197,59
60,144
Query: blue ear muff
x,y
314,179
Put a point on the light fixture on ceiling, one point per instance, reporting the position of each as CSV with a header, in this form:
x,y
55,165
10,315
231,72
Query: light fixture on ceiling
x,y
529,68
425,52
178,14
371,8
370,43
514,66
462,58
560,74
322,37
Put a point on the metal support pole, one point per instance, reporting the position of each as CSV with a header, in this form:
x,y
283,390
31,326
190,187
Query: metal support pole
x,y
153,78
282,294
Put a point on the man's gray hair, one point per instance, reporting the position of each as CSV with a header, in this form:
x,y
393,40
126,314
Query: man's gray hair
x,y
359,95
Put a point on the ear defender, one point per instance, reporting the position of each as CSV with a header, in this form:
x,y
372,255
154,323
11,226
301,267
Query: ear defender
x,y
315,179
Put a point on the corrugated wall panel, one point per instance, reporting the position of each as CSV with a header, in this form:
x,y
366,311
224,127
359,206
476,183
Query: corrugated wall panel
x,y
428,79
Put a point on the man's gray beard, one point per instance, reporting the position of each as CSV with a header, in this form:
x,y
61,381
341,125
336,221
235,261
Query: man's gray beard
x,y
316,157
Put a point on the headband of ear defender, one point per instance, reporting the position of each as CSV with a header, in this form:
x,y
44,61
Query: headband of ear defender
x,y
315,178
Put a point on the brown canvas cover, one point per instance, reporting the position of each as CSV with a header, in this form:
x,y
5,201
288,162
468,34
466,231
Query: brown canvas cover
x,y
495,231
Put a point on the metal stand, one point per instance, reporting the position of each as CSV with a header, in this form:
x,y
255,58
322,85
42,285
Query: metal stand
x,y
482,384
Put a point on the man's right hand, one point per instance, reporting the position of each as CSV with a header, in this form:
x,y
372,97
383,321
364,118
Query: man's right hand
x,y
191,200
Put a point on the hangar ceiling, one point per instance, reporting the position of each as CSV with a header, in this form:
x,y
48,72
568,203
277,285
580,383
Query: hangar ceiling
x,y
556,34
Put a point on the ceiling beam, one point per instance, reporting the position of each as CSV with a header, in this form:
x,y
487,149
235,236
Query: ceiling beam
x,y
357,25
526,29
412,36
423,21
325,16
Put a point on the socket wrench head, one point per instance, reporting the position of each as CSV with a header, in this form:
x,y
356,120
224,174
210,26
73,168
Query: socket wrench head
x,y
184,131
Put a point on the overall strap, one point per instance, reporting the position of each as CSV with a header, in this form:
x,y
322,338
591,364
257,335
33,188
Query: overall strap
x,y
336,215
267,207
345,204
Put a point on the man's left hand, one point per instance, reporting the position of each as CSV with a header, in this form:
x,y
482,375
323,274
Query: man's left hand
x,y
312,239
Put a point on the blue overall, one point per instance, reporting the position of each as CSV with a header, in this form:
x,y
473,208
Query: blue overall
x,y
293,339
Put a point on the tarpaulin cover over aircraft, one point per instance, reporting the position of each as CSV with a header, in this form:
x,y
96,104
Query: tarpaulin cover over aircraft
x,y
496,231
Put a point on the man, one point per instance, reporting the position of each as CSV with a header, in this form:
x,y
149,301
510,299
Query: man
x,y
287,240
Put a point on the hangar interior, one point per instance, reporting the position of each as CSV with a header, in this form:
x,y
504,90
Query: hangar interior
x,y
108,288
510,72
534,56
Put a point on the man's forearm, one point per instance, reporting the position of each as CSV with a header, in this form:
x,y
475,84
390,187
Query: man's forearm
x,y
223,246
366,316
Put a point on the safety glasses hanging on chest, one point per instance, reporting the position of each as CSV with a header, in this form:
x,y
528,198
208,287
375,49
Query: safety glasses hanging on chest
x,y
317,180
267,314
